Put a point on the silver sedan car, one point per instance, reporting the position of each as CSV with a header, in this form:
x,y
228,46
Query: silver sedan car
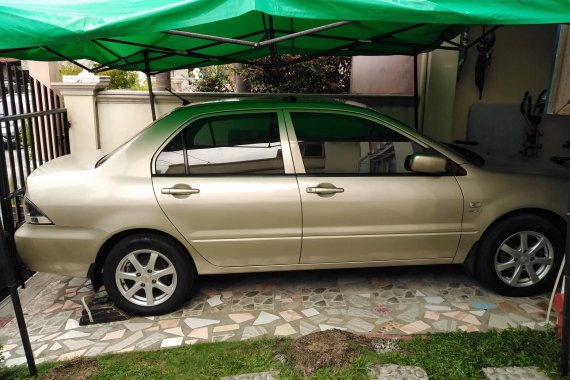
x,y
258,185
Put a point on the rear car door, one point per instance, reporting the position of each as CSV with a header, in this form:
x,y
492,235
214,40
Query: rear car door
x,y
360,203
227,183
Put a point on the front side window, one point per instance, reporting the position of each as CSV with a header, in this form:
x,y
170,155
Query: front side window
x,y
231,144
343,144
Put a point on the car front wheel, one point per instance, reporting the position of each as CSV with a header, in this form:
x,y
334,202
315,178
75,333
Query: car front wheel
x,y
148,275
520,255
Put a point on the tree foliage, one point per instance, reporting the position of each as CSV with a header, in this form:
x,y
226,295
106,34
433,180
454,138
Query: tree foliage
x,y
323,75
69,69
119,79
213,79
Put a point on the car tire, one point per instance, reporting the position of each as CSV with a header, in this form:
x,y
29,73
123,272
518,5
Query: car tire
x,y
520,256
148,274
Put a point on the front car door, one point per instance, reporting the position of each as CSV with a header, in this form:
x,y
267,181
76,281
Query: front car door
x,y
360,204
226,183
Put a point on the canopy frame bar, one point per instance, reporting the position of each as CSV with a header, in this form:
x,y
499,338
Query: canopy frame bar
x,y
402,43
159,48
138,62
209,37
66,58
3,51
257,45
196,64
270,34
354,44
306,58
270,42
487,32
213,58
304,33
100,67
119,58
453,43
217,43
105,66
170,53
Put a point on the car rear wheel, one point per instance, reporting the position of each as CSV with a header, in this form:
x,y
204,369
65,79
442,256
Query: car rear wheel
x,y
520,256
148,275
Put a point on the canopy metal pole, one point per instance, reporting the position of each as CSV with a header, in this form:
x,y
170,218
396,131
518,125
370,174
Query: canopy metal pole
x,y
211,38
353,45
149,83
564,352
66,58
271,41
124,59
416,93
10,277
307,32
7,251
485,34
7,263
274,58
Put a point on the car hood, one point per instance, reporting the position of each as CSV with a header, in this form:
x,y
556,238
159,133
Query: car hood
x,y
70,162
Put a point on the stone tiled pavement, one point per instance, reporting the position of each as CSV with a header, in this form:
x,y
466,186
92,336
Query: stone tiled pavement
x,y
514,373
404,300
399,372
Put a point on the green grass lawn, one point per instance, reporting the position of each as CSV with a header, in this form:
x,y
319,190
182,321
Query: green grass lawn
x,y
445,356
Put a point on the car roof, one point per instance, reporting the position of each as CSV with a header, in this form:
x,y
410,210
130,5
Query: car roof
x,y
284,101
185,113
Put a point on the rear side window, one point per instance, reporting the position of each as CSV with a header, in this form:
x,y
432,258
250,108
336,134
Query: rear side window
x,y
231,144
348,145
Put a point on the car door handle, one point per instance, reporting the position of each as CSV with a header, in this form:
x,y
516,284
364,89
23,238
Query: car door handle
x,y
324,190
179,191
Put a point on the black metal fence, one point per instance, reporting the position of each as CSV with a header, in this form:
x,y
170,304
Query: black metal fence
x,y
33,130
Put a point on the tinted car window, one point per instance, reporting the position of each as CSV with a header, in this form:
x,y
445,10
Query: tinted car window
x,y
233,144
343,144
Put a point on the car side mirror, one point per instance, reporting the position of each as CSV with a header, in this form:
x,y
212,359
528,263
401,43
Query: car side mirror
x,y
424,163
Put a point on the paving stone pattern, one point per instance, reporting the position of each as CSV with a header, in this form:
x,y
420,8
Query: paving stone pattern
x,y
397,372
404,301
514,373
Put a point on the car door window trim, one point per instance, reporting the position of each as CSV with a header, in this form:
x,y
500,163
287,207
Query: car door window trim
x,y
288,166
295,145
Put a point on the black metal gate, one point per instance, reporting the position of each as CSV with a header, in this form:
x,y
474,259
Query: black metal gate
x,y
33,130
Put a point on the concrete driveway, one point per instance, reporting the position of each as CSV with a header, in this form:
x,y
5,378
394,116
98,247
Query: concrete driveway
x,y
392,301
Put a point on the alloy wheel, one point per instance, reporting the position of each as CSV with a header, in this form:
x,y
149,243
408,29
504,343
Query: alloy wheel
x,y
524,259
146,277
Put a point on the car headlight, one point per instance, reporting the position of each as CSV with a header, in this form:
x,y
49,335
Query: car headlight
x,y
33,215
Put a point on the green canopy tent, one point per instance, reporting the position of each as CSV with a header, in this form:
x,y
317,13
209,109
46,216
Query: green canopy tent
x,y
154,36
195,33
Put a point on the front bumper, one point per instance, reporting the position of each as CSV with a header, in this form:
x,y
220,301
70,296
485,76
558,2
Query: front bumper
x,y
67,251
